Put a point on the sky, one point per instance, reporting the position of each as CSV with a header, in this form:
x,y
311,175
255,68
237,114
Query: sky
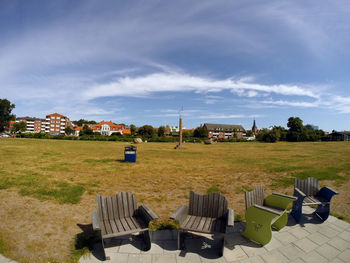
x,y
141,62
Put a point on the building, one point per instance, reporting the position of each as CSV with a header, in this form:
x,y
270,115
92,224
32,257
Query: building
x,y
224,131
33,124
56,124
340,136
108,128
255,129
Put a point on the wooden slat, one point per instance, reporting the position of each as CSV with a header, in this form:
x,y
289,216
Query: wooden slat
x,y
202,223
115,207
119,225
221,206
125,204
185,222
205,206
196,222
99,206
200,205
208,223
125,224
109,208
120,205
189,222
210,206
190,205
131,223
131,204
215,205
107,226
114,226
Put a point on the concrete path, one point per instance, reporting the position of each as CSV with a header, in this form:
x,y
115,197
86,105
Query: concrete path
x,y
308,242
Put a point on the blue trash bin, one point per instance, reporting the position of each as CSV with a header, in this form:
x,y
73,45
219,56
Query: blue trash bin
x,y
130,154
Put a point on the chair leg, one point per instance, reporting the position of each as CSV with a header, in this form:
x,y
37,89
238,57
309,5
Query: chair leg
x,y
104,251
281,222
146,238
323,211
222,247
180,240
297,210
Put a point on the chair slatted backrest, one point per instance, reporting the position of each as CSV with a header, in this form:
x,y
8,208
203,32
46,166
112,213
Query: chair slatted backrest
x,y
212,205
121,205
309,186
255,197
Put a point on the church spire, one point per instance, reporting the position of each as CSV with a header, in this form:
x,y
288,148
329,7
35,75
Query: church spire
x,y
254,128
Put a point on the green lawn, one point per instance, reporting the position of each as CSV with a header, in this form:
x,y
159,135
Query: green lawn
x,y
70,173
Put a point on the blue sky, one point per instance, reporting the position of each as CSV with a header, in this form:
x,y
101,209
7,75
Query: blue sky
x,y
141,61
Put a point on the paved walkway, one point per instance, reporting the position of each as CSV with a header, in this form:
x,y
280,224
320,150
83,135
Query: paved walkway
x,y
309,242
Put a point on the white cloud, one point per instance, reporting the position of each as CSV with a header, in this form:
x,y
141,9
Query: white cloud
x,y
229,116
304,104
140,86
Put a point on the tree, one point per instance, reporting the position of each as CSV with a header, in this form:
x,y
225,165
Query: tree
x,y
132,129
81,122
249,133
146,131
6,108
86,131
187,134
266,135
161,131
19,127
200,132
296,132
281,131
68,130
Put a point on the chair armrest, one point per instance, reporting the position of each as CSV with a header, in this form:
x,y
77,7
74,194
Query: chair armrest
x,y
327,193
286,196
146,213
266,209
298,193
280,201
95,221
180,213
230,218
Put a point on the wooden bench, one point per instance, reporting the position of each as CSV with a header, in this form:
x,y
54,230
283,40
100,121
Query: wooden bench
x,y
204,214
119,215
308,193
263,213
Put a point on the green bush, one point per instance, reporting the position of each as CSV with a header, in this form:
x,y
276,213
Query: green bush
x,y
213,189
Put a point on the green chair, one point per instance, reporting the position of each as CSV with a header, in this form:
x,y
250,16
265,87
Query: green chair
x,y
263,213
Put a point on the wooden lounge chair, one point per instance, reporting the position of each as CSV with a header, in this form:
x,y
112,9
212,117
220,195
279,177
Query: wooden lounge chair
x,y
205,214
119,215
309,193
263,213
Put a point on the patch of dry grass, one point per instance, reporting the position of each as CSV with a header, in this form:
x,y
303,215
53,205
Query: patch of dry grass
x,y
39,225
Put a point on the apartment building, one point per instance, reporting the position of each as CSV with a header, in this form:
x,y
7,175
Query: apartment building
x,y
56,124
224,131
33,124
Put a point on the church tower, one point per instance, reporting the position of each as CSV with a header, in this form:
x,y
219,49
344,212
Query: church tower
x,y
254,129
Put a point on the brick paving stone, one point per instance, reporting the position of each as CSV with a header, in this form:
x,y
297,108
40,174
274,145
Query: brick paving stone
x,y
345,235
131,248
139,258
327,231
253,260
167,258
291,252
305,244
235,254
314,257
188,258
318,238
285,237
336,260
334,226
345,256
311,228
298,260
328,251
156,248
118,258
342,224
299,233
212,260
274,243
253,250
339,243
274,257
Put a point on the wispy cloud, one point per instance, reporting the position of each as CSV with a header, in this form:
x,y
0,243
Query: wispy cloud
x,y
176,82
230,116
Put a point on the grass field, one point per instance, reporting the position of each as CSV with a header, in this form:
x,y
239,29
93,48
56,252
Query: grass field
x,y
48,187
